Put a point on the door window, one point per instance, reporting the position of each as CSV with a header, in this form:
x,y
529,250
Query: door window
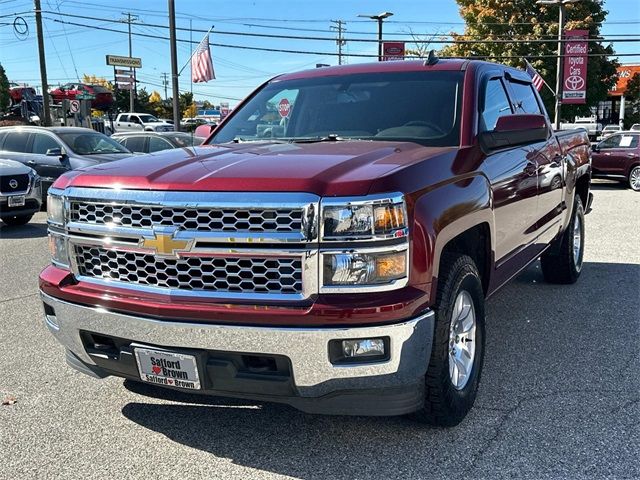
x,y
611,142
157,144
16,142
124,118
135,144
42,143
524,99
628,141
496,104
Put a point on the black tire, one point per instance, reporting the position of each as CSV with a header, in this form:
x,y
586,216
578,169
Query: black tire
x,y
17,221
633,180
559,264
445,405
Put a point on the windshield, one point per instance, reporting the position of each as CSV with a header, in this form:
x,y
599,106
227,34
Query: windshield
x,y
422,107
148,119
90,143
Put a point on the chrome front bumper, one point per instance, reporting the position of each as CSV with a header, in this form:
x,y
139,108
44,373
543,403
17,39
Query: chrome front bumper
x,y
307,348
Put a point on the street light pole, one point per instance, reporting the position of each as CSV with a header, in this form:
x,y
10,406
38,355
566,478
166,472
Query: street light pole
x,y
379,18
560,65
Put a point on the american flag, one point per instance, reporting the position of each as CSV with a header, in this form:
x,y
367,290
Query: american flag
x,y
536,79
201,63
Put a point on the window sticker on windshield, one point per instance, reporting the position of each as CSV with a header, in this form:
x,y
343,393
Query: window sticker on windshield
x,y
626,140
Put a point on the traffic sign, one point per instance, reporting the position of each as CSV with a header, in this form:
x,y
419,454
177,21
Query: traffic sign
x,y
74,106
284,107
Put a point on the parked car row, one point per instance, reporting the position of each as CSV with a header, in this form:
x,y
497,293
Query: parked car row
x,y
32,158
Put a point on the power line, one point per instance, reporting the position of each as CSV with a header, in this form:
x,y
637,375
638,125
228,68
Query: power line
x,y
332,54
365,40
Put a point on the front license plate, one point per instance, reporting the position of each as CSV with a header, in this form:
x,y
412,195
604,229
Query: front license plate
x,y
16,201
167,368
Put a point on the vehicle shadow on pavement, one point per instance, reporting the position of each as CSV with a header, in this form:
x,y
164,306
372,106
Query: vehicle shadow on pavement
x,y
537,407
607,184
30,230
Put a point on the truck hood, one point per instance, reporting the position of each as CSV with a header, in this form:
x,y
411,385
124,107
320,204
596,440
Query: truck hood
x,y
337,168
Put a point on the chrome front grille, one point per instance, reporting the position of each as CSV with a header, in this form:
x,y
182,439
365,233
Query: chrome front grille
x,y
242,274
268,220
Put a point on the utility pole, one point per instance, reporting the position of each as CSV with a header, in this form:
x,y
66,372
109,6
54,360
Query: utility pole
x,y
129,20
340,41
174,65
560,66
46,121
165,83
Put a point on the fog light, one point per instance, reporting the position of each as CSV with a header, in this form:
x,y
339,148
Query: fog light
x,y
364,347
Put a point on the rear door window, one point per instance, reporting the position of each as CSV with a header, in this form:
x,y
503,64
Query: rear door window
x,y
628,141
16,142
157,144
496,104
135,144
524,100
123,118
42,143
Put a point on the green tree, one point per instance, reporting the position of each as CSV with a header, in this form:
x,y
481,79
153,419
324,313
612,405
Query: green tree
x,y
509,23
632,99
207,105
4,90
185,100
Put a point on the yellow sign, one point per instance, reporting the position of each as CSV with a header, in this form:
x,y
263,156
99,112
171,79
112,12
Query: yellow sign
x,y
166,245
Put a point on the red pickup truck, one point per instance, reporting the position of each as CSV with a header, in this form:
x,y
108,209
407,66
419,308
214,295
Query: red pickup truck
x,y
330,247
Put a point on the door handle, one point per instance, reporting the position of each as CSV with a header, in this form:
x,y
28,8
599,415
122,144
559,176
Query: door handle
x,y
31,162
530,169
607,154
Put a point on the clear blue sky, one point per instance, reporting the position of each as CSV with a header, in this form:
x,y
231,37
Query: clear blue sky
x,y
74,50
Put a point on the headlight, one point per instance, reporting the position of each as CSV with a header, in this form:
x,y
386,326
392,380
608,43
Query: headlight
x,y
58,249
372,218
55,209
364,268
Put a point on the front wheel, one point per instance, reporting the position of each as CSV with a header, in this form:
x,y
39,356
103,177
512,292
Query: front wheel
x,y
563,263
634,178
457,353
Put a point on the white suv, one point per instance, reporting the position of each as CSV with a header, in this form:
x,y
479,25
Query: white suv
x,y
138,122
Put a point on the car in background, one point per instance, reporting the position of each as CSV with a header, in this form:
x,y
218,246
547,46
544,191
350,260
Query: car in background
x,y
150,142
19,92
56,150
609,130
635,127
141,122
20,192
205,129
103,96
618,157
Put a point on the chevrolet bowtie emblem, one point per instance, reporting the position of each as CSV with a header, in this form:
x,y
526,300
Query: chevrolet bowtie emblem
x,y
166,245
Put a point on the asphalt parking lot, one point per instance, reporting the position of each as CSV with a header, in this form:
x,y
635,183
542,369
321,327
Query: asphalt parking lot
x,y
559,398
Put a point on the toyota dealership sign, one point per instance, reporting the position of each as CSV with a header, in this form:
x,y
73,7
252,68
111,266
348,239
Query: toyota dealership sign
x,y
574,82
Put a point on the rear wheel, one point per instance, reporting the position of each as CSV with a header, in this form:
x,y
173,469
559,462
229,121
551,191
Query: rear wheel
x,y
634,178
16,221
563,263
457,354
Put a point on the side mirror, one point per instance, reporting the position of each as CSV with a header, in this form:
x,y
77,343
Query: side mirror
x,y
513,130
595,148
56,152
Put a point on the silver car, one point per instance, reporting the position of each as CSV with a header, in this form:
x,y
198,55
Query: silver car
x,y
20,192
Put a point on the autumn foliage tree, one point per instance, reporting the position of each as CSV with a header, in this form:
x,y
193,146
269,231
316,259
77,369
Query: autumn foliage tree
x,y
511,25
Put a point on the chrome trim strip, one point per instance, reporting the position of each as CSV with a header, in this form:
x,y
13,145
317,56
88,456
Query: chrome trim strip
x,y
307,348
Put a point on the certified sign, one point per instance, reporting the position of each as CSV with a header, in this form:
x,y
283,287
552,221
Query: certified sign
x,y
284,108
574,82
74,106
392,51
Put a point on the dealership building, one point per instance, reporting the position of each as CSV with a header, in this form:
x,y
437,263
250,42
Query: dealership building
x,y
611,111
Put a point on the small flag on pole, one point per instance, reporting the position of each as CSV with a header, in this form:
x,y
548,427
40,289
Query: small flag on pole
x,y
201,63
536,79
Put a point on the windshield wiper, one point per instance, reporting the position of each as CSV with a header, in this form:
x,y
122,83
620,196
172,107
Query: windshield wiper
x,y
329,138
266,140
